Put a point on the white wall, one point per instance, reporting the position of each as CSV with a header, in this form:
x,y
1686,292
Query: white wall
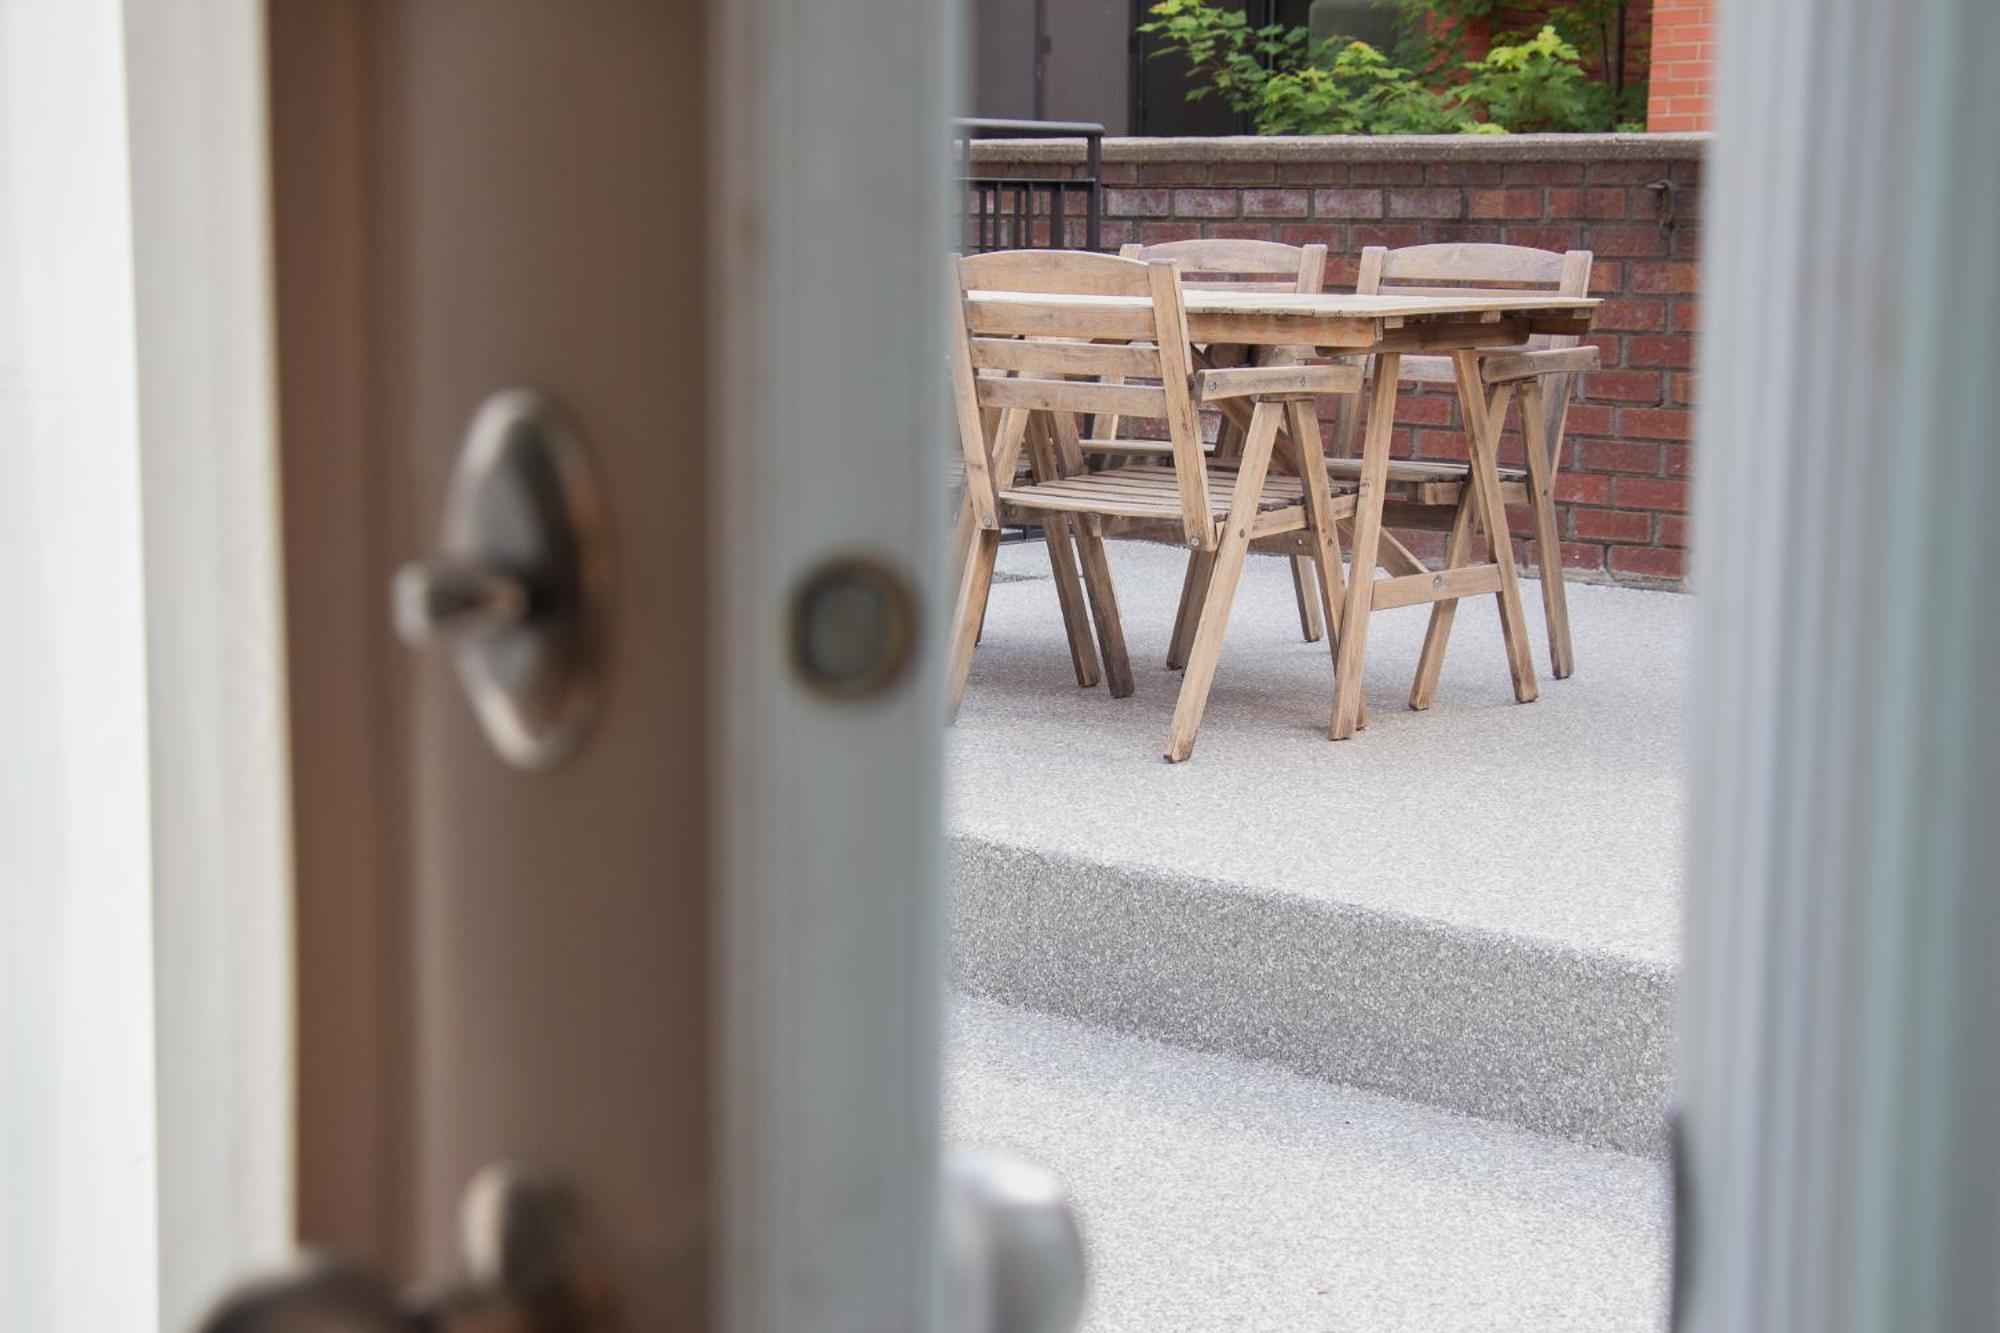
x,y
77,1199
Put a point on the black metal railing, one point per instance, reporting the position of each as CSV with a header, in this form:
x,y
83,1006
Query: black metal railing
x,y
1020,212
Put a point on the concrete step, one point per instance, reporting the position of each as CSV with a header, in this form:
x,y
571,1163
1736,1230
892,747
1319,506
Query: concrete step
x,y
1222,1194
1475,907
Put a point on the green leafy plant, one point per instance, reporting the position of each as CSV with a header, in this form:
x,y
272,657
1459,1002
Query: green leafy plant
x,y
1353,90
1435,38
1534,85
1288,85
1232,60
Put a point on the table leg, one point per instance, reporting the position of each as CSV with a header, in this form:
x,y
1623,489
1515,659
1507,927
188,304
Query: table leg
x,y
1483,439
1352,631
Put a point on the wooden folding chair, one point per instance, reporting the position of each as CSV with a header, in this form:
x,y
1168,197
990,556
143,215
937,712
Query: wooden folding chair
x,y
1426,494
1040,360
1235,265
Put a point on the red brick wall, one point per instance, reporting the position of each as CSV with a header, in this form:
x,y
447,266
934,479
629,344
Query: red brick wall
x,y
1683,65
1628,461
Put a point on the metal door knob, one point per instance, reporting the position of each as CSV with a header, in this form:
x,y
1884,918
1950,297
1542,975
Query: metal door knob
x,y
525,1270
1017,1253
318,1296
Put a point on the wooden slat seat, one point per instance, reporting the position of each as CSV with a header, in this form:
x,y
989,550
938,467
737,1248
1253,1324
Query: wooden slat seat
x,y
1149,491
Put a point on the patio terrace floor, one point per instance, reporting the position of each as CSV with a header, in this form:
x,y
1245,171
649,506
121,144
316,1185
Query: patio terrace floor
x,y
1557,820
1244,1005
1473,907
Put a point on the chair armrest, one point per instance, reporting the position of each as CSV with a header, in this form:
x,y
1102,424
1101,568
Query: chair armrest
x,y
1512,366
1275,382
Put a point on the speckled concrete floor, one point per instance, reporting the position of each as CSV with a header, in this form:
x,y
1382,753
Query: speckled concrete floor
x,y
1475,908
1559,820
1219,1194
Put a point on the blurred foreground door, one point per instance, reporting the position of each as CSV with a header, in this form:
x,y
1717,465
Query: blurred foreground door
x,y
1839,1068
663,923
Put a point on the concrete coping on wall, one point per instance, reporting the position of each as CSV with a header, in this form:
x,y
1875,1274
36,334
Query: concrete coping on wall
x,y
1357,148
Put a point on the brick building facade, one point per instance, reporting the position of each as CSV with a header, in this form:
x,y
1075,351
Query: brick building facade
x,y
1683,66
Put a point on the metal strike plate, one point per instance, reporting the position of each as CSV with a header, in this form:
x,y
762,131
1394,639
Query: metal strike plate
x,y
854,628
518,585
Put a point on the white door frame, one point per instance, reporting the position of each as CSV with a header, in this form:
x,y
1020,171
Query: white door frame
x,y
830,157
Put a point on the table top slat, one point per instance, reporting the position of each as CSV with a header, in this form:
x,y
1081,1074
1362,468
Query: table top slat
x,y
1316,305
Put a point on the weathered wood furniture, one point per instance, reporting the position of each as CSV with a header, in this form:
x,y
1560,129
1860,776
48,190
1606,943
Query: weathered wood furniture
x,y
1541,372
1236,265
1034,343
1387,326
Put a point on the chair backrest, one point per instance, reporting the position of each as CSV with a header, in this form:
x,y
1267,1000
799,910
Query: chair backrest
x,y
1257,266
1476,269
1109,357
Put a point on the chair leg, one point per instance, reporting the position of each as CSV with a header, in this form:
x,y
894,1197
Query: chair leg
x,y
1224,573
1069,596
1062,557
963,530
1543,447
1194,587
961,538
1206,651
1312,625
973,586
1104,606
1069,462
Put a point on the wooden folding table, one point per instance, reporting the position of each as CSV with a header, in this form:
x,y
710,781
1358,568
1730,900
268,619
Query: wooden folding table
x,y
1385,327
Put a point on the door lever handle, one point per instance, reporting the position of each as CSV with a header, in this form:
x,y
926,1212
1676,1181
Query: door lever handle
x,y
518,586
441,599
